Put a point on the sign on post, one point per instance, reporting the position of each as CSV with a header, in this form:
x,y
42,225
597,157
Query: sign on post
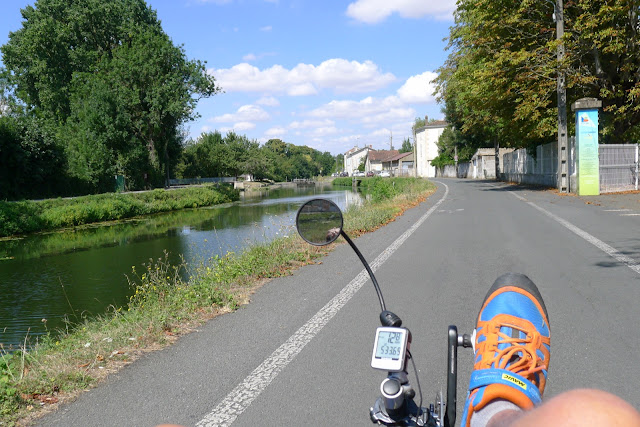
x,y
587,160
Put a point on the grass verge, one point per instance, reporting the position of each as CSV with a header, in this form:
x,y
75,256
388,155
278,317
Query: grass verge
x,y
169,300
43,215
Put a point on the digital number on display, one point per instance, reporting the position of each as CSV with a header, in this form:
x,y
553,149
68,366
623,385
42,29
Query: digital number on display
x,y
389,349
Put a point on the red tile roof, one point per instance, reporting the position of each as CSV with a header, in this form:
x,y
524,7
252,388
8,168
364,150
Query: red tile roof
x,y
398,156
382,155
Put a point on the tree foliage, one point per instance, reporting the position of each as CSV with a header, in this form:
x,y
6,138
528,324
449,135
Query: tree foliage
x,y
213,155
114,86
418,122
30,159
406,146
499,81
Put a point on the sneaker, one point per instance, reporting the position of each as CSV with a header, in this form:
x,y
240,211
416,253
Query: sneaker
x,y
511,344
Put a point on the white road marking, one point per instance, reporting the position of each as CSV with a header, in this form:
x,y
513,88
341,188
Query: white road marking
x,y
239,399
638,214
609,250
617,210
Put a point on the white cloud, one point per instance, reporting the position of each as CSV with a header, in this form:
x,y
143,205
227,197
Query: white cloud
x,y
244,126
245,113
369,111
255,57
275,131
418,89
268,101
306,124
374,11
303,89
381,132
351,76
323,131
304,79
266,28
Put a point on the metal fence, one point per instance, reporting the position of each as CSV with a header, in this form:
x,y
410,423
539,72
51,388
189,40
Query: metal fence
x,y
618,166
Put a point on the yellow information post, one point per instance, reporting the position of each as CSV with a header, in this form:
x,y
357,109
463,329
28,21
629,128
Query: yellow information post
x,y
587,160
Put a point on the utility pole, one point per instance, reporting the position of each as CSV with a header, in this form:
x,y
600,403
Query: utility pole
x,y
563,150
415,154
455,157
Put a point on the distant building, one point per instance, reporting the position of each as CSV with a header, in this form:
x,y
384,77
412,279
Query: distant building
x,y
378,160
399,164
353,157
483,163
402,164
426,148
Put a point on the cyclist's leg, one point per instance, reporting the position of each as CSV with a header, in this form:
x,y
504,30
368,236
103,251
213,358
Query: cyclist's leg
x,y
511,350
584,407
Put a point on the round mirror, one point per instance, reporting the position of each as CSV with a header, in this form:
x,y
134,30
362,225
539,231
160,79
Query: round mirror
x,y
319,221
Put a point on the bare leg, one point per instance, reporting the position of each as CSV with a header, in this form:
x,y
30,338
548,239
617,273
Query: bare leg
x,y
574,408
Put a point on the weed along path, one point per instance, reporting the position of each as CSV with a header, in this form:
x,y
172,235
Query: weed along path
x,y
48,280
170,299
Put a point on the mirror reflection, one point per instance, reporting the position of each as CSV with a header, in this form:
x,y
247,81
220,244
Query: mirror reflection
x,y
319,221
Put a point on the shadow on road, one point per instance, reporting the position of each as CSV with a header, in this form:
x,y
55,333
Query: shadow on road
x,y
632,250
493,185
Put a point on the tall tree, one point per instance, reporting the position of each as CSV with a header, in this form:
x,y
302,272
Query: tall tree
x,y
499,80
108,75
406,146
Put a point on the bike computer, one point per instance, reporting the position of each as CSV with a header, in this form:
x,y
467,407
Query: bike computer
x,y
389,349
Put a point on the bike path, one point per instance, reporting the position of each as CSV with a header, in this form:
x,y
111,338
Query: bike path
x,y
437,277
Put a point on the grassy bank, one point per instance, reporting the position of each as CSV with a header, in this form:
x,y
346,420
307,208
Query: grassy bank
x,y
163,307
51,214
381,188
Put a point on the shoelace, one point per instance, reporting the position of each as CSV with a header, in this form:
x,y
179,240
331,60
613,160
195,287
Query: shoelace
x,y
527,362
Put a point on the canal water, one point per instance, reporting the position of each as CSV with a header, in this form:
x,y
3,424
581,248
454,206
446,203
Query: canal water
x,y
49,280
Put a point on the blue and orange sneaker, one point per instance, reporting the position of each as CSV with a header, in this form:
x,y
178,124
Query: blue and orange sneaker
x,y
511,344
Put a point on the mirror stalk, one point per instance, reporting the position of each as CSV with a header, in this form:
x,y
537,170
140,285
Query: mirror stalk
x,y
366,265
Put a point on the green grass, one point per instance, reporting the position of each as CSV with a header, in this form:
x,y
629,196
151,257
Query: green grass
x,y
32,216
169,300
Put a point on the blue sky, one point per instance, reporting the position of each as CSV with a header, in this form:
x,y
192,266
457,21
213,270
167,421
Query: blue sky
x,y
324,73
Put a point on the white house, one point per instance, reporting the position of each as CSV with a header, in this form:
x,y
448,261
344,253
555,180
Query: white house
x,y
353,157
426,147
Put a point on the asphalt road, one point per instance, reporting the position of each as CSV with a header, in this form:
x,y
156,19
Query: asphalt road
x,y
298,356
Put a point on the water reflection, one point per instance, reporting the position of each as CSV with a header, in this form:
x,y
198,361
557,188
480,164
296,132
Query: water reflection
x,y
82,272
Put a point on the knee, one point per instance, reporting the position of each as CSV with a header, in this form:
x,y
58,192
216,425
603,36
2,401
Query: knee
x,y
583,407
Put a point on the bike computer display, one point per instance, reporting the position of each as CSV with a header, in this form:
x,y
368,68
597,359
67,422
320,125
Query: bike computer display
x,y
389,349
